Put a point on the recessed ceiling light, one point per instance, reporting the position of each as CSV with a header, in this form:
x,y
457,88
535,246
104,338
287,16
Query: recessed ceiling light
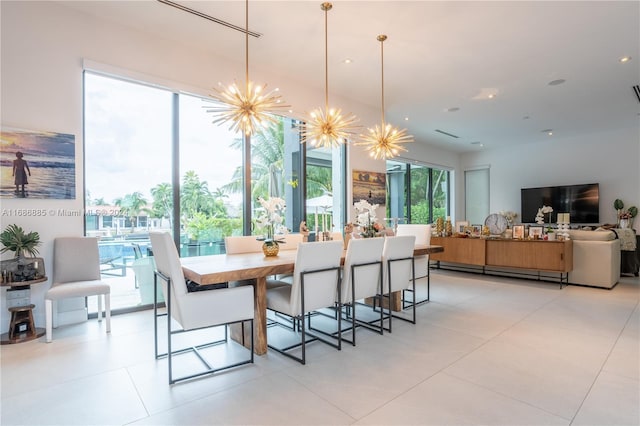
x,y
625,59
478,143
452,109
347,61
557,82
406,119
548,131
492,95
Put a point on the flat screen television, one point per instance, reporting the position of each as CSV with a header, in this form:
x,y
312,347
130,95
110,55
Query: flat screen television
x,y
582,202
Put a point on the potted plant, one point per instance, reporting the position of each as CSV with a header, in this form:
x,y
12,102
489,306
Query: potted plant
x,y
15,239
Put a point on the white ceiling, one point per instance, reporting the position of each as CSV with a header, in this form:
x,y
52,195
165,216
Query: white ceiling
x,y
439,55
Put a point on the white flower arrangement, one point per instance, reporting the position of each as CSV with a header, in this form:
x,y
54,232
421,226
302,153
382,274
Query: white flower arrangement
x,y
541,212
271,216
509,215
366,218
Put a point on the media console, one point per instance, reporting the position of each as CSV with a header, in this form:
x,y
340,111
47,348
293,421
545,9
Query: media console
x,y
537,259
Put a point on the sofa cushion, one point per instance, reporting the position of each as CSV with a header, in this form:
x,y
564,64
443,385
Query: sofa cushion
x,y
598,235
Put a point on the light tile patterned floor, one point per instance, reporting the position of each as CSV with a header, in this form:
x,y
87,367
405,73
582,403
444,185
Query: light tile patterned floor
x,y
486,350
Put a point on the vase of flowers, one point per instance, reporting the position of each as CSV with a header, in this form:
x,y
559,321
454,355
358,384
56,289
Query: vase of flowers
x,y
510,216
270,218
625,217
540,215
366,219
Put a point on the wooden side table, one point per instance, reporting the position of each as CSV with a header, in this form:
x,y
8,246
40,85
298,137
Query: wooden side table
x,y
22,316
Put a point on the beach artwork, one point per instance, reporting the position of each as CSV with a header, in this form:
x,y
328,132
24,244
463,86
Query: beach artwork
x,y
37,164
370,186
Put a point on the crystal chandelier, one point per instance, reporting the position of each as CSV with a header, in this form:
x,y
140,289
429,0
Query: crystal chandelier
x,y
249,109
384,141
327,128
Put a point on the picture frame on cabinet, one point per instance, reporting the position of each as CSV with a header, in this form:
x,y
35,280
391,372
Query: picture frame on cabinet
x,y
461,225
535,232
518,232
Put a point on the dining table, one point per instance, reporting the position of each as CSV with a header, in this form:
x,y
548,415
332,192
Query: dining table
x,y
256,267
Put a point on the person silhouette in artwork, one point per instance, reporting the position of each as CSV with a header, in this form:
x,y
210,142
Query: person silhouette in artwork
x,y
20,170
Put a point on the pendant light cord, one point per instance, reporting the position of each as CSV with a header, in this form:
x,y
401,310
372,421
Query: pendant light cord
x,y
326,7
381,39
246,45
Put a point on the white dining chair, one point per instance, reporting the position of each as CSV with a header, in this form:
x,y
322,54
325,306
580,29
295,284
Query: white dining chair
x,y
423,237
291,241
76,273
398,271
362,278
242,244
316,280
195,310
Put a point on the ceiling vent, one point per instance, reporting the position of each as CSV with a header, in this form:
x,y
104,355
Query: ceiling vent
x,y
636,89
448,134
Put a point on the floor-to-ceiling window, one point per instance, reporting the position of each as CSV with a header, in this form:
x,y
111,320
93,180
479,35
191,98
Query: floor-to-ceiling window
x,y
127,153
210,174
417,193
155,161
325,190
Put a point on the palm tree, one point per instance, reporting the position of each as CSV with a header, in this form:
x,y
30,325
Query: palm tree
x,y
131,205
267,164
163,201
194,195
318,181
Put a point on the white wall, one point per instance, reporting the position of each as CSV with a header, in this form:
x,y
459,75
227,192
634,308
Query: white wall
x,y
611,159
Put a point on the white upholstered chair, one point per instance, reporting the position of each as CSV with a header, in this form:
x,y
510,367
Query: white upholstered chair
x,y
76,273
399,270
291,241
196,310
423,237
362,278
316,280
242,244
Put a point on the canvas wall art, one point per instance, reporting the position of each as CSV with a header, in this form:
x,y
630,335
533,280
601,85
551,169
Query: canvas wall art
x,y
37,164
370,186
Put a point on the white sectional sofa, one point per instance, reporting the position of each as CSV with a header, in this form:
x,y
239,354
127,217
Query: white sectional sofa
x,y
596,258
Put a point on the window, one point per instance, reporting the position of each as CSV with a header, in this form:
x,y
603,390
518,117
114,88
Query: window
x,y
205,164
211,184
325,189
125,123
417,193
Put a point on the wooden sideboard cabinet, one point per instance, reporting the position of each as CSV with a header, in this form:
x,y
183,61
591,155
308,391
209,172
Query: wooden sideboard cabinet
x,y
470,251
485,255
550,256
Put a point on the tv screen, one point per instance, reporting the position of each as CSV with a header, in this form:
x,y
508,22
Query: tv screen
x,y
582,202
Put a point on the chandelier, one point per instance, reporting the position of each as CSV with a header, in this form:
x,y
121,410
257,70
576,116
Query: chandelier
x,y
327,128
247,109
384,141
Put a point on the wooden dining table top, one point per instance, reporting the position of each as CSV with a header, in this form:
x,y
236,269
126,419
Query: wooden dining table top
x,y
234,267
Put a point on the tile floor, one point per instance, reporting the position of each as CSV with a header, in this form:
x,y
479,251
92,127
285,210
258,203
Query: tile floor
x,y
486,350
